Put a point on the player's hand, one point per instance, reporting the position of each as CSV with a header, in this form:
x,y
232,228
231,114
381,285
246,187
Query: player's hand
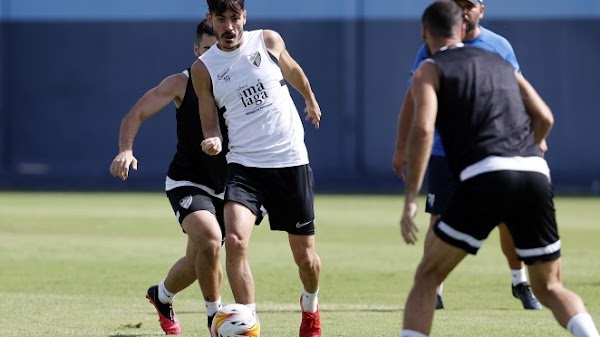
x,y
408,228
399,164
212,146
313,112
543,146
119,168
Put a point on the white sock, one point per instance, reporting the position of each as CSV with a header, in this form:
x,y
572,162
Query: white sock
x,y
310,301
411,333
582,325
252,307
164,295
213,307
440,289
518,276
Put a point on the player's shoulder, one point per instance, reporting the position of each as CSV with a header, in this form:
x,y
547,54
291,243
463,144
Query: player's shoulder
x,y
422,54
273,41
425,70
173,85
270,35
493,38
209,53
179,79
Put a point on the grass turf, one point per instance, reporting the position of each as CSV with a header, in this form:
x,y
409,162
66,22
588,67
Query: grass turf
x,y
78,264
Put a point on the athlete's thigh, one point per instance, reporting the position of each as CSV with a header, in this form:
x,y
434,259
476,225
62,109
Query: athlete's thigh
x,y
543,274
441,185
289,200
532,220
302,245
440,258
244,186
194,207
239,221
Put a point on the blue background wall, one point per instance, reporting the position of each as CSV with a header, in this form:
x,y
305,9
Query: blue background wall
x,y
72,68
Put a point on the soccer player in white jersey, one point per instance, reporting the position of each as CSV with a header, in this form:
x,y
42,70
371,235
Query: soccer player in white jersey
x,y
245,76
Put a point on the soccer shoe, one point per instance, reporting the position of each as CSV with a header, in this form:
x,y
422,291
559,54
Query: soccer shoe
x,y
166,316
523,292
209,319
311,323
439,304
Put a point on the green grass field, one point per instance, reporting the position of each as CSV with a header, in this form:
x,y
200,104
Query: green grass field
x,y
79,264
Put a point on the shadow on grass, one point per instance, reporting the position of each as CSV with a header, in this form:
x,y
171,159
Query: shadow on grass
x,y
132,326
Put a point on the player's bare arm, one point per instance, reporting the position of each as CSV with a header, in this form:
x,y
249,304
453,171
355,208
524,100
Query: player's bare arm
x,y
171,89
213,139
420,141
539,112
293,74
404,120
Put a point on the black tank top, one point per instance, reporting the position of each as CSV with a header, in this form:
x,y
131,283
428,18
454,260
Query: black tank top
x,y
189,162
480,108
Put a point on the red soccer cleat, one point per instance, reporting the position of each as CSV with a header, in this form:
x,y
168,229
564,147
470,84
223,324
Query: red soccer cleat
x,y
166,316
311,323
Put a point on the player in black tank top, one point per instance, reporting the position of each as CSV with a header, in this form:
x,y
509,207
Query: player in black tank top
x,y
194,186
190,162
490,141
480,110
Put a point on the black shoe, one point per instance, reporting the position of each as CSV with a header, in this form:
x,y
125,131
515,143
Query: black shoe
x,y
209,319
523,292
166,316
438,302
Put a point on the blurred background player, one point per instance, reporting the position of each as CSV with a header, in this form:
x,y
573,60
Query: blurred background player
x,y
441,184
493,124
194,186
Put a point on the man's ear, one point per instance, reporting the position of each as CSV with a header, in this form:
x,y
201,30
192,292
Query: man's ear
x,y
196,49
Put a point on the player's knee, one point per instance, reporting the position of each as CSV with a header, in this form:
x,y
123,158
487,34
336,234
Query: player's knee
x,y
546,289
428,274
205,239
235,245
211,249
309,261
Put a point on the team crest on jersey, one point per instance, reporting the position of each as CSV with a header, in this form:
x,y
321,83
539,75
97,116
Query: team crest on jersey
x,y
186,202
431,199
254,59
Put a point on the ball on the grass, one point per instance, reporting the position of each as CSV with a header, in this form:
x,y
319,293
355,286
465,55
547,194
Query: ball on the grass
x,y
235,320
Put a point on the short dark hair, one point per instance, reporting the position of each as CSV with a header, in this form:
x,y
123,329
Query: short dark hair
x,y
442,18
220,6
204,28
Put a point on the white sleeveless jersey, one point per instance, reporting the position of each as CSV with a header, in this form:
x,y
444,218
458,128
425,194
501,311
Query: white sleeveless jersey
x,y
263,124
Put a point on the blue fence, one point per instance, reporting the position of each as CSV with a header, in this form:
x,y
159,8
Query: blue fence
x,y
66,84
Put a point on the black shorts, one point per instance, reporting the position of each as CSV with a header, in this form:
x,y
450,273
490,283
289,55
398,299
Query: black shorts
x,y
286,193
188,199
441,185
521,200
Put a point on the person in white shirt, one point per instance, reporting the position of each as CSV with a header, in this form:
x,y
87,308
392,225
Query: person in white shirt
x,y
245,77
